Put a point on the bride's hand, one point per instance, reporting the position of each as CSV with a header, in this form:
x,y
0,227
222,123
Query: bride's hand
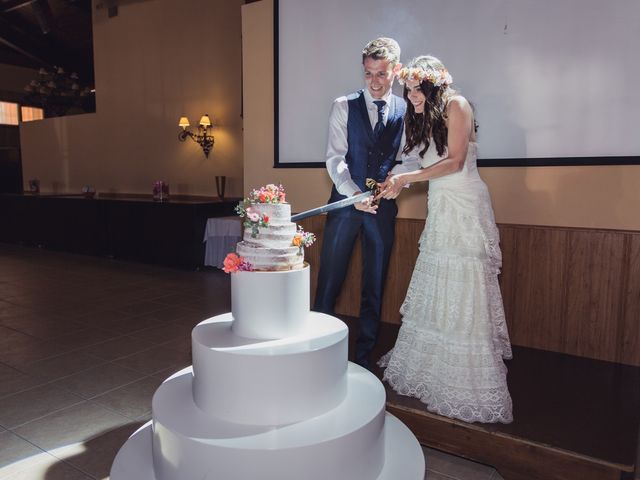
x,y
383,185
391,187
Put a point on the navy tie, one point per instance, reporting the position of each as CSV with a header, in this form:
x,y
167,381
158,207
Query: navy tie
x,y
378,129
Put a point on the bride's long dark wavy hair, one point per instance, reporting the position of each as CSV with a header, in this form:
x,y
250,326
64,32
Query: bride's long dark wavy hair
x,y
420,127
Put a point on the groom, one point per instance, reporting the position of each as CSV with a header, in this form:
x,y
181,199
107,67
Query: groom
x,y
365,132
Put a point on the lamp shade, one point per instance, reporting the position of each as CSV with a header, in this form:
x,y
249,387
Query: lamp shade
x,y
205,121
184,122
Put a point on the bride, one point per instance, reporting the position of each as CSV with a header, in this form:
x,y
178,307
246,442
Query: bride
x,y
453,339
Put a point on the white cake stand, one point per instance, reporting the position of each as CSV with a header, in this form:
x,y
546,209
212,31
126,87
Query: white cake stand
x,y
403,458
270,396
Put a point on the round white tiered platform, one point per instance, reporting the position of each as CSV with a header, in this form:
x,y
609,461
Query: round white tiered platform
x,y
355,441
270,407
403,457
269,382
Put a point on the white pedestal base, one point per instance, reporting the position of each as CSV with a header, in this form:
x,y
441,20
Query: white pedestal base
x,y
344,443
270,396
270,305
403,456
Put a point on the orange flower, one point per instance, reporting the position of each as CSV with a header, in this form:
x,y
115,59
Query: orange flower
x,y
297,240
232,263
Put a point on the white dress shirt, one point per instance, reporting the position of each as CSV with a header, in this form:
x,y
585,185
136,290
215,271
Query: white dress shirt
x,y
337,145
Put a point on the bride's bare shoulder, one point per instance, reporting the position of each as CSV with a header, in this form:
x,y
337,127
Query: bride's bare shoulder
x,y
458,102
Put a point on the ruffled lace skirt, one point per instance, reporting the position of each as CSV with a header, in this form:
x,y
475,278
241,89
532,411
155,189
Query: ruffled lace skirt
x,y
453,339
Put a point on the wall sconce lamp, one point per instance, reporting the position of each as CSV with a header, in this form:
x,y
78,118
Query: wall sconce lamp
x,y
203,137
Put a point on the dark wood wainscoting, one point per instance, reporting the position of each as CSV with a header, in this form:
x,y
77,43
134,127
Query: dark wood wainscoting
x,y
124,227
567,290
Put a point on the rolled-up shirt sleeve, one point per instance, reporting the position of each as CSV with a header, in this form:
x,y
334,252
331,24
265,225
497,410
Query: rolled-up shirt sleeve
x,y
337,147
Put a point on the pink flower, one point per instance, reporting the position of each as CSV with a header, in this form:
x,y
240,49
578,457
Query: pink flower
x,y
232,263
245,266
264,197
252,215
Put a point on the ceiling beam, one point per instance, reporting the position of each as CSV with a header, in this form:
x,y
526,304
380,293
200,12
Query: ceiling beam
x,y
9,6
22,43
25,39
42,11
45,54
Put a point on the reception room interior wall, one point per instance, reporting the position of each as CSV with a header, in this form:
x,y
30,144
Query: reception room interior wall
x,y
570,196
154,62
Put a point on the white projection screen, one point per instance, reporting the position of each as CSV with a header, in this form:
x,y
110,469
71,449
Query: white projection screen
x,y
553,81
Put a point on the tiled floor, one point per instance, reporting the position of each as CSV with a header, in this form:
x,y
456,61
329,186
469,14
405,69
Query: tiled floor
x,y
84,343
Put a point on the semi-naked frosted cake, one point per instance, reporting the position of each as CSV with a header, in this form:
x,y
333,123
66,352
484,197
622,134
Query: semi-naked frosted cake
x,y
271,241
272,248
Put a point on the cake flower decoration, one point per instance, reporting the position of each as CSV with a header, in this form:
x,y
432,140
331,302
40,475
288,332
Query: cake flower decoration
x,y
303,239
270,193
252,219
252,215
234,263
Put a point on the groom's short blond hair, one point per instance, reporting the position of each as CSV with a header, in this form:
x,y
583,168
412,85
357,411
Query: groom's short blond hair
x,y
382,48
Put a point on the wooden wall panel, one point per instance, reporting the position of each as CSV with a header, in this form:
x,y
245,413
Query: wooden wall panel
x,y
508,288
566,290
594,293
538,284
629,338
403,258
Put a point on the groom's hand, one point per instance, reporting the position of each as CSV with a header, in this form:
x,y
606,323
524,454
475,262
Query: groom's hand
x,y
365,205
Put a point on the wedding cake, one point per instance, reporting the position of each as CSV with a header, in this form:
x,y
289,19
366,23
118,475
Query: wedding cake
x,y
270,394
271,240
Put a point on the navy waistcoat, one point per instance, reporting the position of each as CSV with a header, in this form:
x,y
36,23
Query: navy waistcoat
x,y
366,157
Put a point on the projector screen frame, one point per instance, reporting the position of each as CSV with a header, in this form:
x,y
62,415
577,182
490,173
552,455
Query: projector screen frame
x,y
482,162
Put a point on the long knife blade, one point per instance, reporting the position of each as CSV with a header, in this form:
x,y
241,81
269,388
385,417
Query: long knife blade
x,y
345,202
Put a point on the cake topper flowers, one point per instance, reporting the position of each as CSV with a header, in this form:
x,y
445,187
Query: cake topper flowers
x,y
268,194
234,263
302,239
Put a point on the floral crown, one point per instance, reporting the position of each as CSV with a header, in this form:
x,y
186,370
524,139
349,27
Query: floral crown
x,y
435,76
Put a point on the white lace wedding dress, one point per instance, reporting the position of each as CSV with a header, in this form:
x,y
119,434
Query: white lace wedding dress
x,y
453,339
